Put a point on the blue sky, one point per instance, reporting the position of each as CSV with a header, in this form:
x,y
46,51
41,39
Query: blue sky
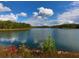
x,y
40,12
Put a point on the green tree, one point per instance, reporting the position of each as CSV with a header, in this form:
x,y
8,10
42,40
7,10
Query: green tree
x,y
13,25
49,45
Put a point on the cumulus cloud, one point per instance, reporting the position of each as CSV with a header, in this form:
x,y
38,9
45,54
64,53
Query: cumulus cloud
x,y
39,18
4,8
35,14
6,17
10,17
45,11
71,15
22,14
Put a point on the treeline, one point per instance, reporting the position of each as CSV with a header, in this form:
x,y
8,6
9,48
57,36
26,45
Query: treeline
x,y
12,25
40,27
59,26
66,26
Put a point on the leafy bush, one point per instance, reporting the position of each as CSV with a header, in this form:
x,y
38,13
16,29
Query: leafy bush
x,y
49,45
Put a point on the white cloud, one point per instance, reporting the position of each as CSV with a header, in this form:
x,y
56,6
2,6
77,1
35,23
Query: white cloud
x,y
71,15
45,11
39,18
75,3
22,14
4,8
10,17
42,22
65,21
34,22
35,14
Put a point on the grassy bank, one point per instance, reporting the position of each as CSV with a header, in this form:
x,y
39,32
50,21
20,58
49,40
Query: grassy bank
x,y
17,29
23,52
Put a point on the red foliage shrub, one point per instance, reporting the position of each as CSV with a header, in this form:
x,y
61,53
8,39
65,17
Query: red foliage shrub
x,y
12,49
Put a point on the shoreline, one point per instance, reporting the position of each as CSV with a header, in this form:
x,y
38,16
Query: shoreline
x,y
17,29
12,51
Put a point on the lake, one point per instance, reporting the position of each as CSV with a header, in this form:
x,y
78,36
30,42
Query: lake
x,y
66,39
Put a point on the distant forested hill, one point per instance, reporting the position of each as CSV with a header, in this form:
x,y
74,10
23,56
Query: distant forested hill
x,y
66,26
13,25
59,26
16,25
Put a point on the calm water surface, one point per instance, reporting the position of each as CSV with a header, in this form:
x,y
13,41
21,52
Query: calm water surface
x,y
66,39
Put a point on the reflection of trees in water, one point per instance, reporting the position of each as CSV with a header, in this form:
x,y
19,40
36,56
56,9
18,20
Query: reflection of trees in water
x,y
8,36
32,38
23,36
39,35
67,39
30,41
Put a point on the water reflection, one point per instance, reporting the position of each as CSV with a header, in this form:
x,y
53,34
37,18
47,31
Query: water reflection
x,y
33,38
7,37
66,39
37,37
